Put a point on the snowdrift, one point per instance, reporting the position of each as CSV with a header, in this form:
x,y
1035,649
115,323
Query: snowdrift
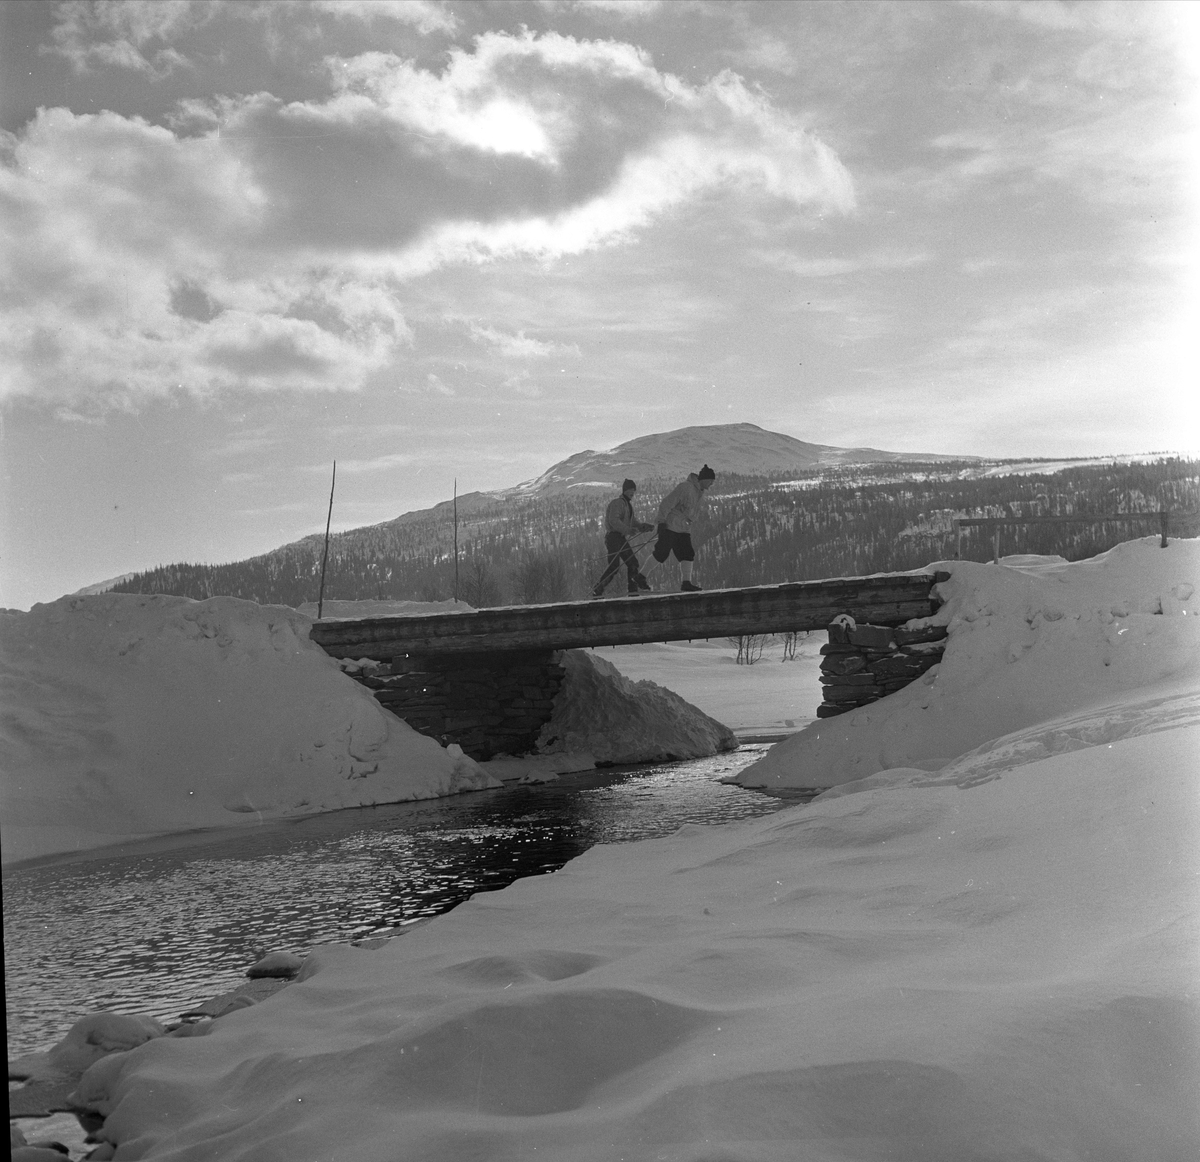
x,y
128,715
996,959
1030,640
600,712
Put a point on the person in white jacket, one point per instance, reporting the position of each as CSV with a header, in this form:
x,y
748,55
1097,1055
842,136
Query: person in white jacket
x,y
680,508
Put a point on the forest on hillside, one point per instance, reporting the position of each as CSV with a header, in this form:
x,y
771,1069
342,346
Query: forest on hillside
x,y
758,531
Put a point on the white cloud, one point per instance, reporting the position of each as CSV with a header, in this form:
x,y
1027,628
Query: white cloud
x,y
128,269
1110,16
519,346
523,386
510,95
831,267
622,9
424,15
375,464
127,34
267,246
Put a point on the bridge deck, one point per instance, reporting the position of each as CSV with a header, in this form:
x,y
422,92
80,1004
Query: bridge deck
x,y
884,599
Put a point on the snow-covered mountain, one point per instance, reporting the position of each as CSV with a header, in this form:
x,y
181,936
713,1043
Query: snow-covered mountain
x,y
740,449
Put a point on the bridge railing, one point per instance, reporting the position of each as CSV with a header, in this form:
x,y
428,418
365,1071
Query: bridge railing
x,y
993,525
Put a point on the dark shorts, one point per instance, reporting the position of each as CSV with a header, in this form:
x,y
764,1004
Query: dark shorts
x,y
671,542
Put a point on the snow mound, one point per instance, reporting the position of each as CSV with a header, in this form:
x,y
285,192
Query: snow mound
x,y
1030,640
602,713
128,715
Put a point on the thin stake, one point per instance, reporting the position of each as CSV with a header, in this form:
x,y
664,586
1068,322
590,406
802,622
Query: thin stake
x,y
456,540
325,558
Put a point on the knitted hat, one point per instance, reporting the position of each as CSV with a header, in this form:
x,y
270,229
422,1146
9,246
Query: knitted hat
x,y
706,473
627,485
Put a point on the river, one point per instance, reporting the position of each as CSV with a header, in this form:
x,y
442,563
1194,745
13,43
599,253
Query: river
x,y
158,926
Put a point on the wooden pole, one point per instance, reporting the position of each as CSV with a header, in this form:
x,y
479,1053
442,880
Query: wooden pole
x,y
1162,519
456,540
325,557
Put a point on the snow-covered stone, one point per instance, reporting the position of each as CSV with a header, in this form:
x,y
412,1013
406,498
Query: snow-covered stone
x,y
96,1036
276,964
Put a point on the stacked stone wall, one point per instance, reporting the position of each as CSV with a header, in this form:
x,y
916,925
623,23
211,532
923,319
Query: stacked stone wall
x,y
489,704
863,663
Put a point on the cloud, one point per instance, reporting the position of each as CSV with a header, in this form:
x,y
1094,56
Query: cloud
x,y
521,385
375,464
143,36
527,144
424,15
622,9
1098,98
520,346
832,267
130,266
1113,16
264,245
131,34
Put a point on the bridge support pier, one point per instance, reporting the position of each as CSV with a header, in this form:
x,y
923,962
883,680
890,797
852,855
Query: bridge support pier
x,y
869,662
488,703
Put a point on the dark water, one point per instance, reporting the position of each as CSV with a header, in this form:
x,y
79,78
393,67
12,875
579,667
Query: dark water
x,y
159,926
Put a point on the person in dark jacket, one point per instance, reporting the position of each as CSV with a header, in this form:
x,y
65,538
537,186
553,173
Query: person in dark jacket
x,y
682,506
619,525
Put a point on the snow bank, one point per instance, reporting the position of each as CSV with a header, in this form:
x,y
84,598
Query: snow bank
x,y
127,715
1030,640
600,712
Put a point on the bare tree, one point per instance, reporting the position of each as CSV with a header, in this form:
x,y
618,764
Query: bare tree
x,y
750,647
790,641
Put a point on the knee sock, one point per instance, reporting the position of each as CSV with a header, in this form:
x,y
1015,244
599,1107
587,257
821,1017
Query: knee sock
x,y
685,570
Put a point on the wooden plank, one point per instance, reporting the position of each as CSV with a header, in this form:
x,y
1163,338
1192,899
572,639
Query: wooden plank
x,y
882,600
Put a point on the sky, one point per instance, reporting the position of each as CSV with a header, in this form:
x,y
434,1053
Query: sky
x,y
448,245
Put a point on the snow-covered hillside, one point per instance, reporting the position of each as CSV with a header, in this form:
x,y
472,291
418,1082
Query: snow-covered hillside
x,y
993,959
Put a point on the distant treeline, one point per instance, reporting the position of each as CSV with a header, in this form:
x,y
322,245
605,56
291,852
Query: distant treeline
x,y
849,522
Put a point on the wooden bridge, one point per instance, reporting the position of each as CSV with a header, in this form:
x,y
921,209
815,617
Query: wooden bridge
x,y
486,679
884,599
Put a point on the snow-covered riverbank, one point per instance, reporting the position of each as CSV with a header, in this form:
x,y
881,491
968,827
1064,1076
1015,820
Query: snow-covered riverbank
x,y
992,955
127,716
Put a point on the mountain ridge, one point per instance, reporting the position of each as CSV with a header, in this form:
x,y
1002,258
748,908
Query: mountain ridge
x,y
742,449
